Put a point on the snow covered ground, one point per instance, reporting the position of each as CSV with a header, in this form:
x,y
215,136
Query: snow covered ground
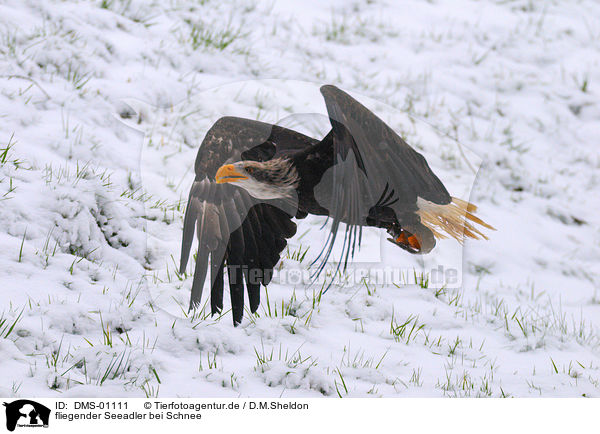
x,y
104,103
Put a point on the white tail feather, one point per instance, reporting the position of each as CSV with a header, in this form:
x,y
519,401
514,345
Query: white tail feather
x,y
456,219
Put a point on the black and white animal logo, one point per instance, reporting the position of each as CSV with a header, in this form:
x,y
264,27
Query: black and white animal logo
x,y
26,413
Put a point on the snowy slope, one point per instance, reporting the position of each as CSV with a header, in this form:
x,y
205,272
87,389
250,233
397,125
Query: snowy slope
x,y
103,105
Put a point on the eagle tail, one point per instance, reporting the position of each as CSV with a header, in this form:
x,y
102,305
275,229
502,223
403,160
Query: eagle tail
x,y
456,219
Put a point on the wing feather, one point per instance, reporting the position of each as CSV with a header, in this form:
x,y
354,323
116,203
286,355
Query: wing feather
x,y
216,291
371,160
234,230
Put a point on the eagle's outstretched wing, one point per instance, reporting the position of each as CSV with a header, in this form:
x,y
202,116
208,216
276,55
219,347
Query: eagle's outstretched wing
x,y
234,229
372,164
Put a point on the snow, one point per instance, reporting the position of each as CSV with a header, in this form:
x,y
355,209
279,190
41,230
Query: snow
x,y
103,105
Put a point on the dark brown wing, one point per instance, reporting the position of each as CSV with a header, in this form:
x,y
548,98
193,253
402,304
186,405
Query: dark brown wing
x,y
372,161
235,230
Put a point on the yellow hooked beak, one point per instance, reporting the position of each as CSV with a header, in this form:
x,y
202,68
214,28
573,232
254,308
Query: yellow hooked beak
x,y
227,173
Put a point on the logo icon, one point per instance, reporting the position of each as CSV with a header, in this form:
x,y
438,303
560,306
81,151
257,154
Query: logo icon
x,y
26,413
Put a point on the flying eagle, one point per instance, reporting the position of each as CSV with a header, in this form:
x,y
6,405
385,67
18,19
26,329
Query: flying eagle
x,y
253,179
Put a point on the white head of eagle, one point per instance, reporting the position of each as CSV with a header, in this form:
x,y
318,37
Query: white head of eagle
x,y
272,179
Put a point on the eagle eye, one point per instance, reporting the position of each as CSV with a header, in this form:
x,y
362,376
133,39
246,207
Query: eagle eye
x,y
249,170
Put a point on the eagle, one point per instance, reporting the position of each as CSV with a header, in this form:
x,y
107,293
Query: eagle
x,y
254,179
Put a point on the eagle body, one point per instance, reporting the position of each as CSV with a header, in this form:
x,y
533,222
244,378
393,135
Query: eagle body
x,y
311,163
253,179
